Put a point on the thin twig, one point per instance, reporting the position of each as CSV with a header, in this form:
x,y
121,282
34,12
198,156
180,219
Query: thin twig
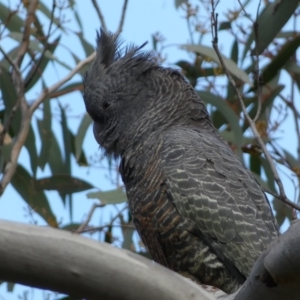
x,y
27,31
100,15
19,84
57,85
10,167
11,62
293,107
100,228
88,219
286,201
122,17
26,119
257,75
104,226
36,66
214,20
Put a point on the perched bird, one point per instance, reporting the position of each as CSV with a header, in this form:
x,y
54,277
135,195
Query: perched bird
x,y
198,210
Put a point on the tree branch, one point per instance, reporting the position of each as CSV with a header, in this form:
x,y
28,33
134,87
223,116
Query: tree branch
x,y
100,15
88,219
275,275
84,268
122,17
257,136
27,31
10,167
57,85
26,119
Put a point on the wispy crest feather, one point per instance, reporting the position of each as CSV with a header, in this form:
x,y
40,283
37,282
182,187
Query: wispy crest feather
x,y
107,47
109,50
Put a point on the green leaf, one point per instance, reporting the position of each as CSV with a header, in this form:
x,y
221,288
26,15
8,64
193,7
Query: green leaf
x,y
286,34
45,10
229,114
225,25
71,226
269,174
64,184
10,286
78,20
30,145
12,55
10,19
108,238
66,139
145,254
261,182
277,63
255,165
34,75
39,32
37,200
109,197
88,48
193,71
273,17
291,160
68,298
45,131
234,57
69,88
82,161
55,160
5,155
210,53
52,57
282,211
10,97
33,44
178,3
81,133
268,97
127,234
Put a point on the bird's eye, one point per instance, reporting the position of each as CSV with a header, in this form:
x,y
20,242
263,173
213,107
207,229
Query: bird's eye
x,y
106,104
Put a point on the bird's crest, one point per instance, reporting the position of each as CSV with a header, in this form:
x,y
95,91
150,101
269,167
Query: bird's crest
x,y
111,56
108,45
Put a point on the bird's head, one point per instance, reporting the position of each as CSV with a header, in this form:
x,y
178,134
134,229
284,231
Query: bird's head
x,y
129,96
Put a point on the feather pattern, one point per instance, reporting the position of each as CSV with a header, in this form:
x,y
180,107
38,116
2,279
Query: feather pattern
x,y
198,210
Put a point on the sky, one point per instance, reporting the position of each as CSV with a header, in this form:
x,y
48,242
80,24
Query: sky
x,y
143,18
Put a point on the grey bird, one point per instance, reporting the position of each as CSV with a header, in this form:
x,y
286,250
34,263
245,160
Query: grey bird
x,y
198,210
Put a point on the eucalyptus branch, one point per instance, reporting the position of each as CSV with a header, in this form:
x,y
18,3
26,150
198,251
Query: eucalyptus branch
x,y
90,215
27,31
214,22
286,201
26,120
11,166
58,84
100,228
122,17
100,15
21,101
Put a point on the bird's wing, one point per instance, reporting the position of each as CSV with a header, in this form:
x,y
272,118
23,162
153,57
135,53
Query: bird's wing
x,y
210,187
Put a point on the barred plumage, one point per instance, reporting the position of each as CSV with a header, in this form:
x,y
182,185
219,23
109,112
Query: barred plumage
x,y
195,206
